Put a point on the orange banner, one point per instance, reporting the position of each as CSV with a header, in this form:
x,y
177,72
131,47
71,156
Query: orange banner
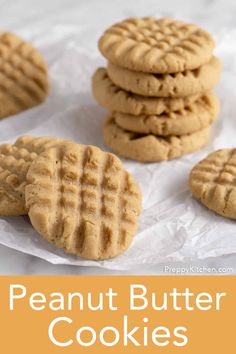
x,y
117,315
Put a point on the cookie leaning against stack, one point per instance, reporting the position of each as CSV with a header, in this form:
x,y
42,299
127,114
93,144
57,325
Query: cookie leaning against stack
x,y
78,197
157,88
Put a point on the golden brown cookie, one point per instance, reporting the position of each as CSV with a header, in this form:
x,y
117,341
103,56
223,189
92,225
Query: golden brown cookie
x,y
213,182
198,115
189,82
23,75
115,99
156,45
82,200
150,148
15,160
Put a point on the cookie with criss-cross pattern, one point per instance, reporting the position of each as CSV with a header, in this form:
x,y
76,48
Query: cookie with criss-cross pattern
x,y
181,84
23,75
15,160
196,116
116,99
150,147
213,182
81,199
156,45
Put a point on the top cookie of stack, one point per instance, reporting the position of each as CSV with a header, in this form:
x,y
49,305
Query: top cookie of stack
x,y
157,88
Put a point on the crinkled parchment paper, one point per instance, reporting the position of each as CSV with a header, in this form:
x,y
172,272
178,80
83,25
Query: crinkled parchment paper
x,y
173,226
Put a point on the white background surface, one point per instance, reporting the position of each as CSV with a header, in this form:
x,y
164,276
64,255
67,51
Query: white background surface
x,y
92,17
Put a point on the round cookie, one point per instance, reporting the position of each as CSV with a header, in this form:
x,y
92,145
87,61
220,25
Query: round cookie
x,y
15,160
151,148
156,45
212,181
23,75
189,82
198,115
115,99
82,200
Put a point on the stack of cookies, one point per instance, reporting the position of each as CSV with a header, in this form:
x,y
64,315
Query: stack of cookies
x,y
157,88
78,197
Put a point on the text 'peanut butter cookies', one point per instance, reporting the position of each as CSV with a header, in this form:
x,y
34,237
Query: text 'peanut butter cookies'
x,y
115,99
156,45
151,148
15,160
82,200
189,82
213,182
196,116
23,75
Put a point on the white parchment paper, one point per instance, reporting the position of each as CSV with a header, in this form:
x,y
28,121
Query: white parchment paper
x,y
173,226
